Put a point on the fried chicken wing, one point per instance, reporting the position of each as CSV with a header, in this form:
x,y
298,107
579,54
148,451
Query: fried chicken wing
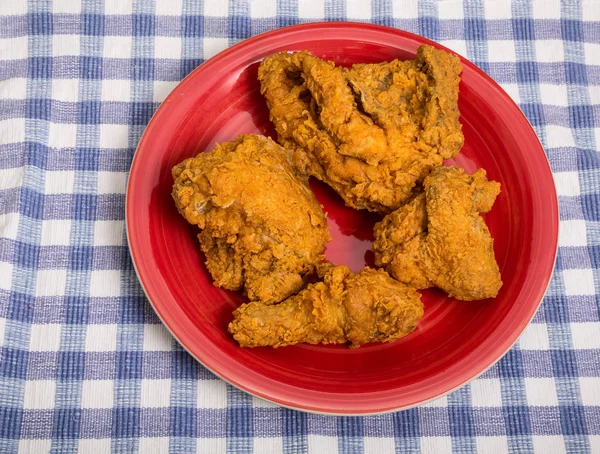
x,y
439,239
345,308
262,229
372,132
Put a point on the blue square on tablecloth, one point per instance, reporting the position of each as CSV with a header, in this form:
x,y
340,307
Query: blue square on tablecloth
x,y
39,67
40,23
92,24
71,365
13,363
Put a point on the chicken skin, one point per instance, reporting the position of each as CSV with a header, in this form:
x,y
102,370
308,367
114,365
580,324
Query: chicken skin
x,y
262,229
439,239
346,307
372,132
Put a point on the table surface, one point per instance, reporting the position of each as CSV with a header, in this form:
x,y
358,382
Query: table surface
x,y
85,365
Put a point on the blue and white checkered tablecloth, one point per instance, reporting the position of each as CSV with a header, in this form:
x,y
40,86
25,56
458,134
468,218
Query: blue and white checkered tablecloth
x,y
85,364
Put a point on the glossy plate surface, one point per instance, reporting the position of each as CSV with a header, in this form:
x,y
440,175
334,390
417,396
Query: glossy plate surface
x,y
454,342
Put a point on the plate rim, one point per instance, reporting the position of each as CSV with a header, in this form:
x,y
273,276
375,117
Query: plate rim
x,y
340,24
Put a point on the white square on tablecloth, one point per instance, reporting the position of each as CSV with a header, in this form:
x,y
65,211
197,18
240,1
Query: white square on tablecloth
x,y
50,282
59,182
216,9
167,47
157,338
263,8
358,9
13,8
440,402
311,9
116,90
12,130
118,7
579,282
590,391
567,183
590,12
535,337
158,445
436,445
212,394
212,445
6,273
117,47
14,88
162,89
457,45
55,232
486,392
112,182
572,233
45,338
585,335
594,91
95,445
212,46
169,7
497,10
114,136
14,48
108,233
592,52
66,90
513,91
545,10
65,45
597,135
97,393
501,51
541,391
549,444
9,225
491,445
554,95
34,446
376,445
559,136
156,393
62,135
66,7
450,9
105,283
405,9
11,178
101,338
548,51
270,445
39,394
320,444
257,402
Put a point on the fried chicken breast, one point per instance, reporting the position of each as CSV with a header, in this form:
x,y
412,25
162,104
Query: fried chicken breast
x,y
439,239
371,132
346,307
262,229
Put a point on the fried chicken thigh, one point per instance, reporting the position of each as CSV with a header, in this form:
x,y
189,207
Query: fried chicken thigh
x,y
439,239
357,308
371,132
262,229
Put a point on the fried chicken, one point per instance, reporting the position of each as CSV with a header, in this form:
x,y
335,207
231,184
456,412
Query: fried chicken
x,y
262,229
372,132
439,239
359,308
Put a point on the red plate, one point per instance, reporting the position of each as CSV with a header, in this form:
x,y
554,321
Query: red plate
x,y
454,342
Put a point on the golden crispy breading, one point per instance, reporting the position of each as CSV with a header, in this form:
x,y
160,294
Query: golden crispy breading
x,y
372,132
439,239
357,308
459,257
262,227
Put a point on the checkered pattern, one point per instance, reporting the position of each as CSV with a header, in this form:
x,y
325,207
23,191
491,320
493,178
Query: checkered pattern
x,y
84,363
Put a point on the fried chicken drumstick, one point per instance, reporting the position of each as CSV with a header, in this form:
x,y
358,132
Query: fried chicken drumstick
x,y
372,132
262,227
345,308
439,239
